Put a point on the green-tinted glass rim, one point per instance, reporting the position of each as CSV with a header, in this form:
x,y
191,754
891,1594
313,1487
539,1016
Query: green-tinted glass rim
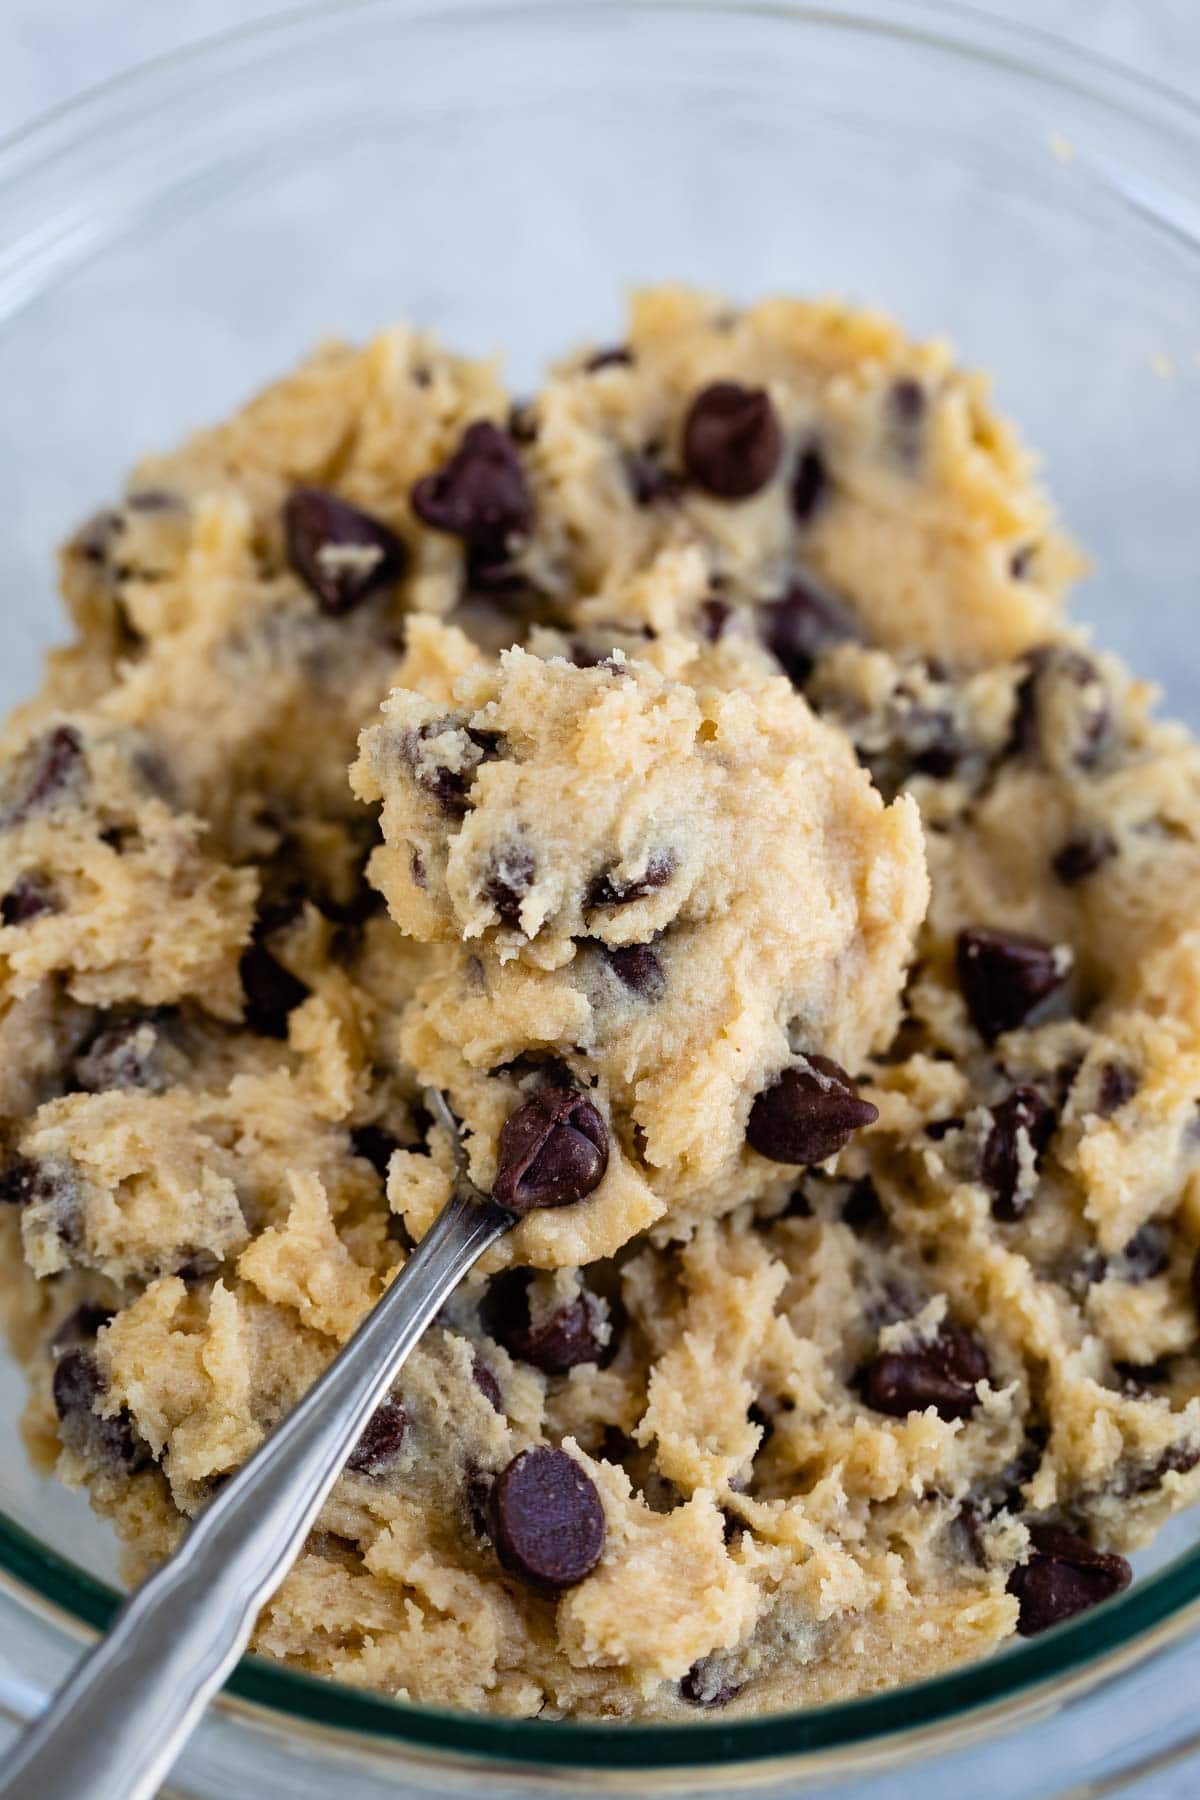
x,y
1133,1621
1157,1609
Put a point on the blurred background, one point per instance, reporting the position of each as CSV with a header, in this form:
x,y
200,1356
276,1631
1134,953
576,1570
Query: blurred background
x,y
54,48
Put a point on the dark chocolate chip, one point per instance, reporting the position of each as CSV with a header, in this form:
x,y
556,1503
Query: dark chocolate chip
x,y
704,1685
638,968
617,356
942,1374
154,500
1021,560
381,1441
448,787
608,890
547,1522
487,1384
906,401
1082,855
1063,708
47,771
481,494
714,617
272,992
1177,1459
80,1327
732,440
563,1340
937,1129
375,1144
341,554
650,481
1063,1576
1004,976
95,538
1025,1113
553,1150
808,1114
106,1442
810,484
1145,1255
1118,1084
801,625
510,877
29,897
125,1053
24,1180
862,1209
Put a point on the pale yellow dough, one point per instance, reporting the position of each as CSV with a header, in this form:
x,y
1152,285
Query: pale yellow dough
x,y
226,1196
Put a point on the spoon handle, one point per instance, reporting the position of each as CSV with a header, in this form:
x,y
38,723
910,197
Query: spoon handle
x,y
115,1728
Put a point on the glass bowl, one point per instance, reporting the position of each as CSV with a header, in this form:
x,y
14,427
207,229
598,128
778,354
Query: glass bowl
x,y
503,172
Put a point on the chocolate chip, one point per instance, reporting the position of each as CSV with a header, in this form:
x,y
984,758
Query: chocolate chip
x,y
732,441
1145,1255
272,992
942,1374
798,628
1118,1084
608,890
1023,1114
1004,976
1063,1576
487,1384
96,536
553,1150
80,1327
714,617
810,484
808,1114
937,1129
637,968
587,656
563,1340
24,1180
1082,855
1064,712
704,1685
510,877
547,1522
862,1209
341,554
47,771
617,356
1021,560
29,897
1177,1459
154,500
381,1441
111,1442
481,495
126,1053
447,786
906,401
650,482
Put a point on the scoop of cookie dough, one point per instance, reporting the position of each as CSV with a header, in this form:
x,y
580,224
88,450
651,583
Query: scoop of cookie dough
x,y
900,1347
673,891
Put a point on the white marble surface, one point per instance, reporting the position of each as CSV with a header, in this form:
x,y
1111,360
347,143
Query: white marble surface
x,y
52,49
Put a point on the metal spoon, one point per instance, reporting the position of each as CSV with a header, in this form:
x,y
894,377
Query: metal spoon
x,y
113,1731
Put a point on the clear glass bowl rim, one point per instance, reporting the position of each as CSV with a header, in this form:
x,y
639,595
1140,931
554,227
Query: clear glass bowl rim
x,y
1158,1609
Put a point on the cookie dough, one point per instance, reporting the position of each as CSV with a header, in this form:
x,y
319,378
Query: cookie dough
x,y
692,771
